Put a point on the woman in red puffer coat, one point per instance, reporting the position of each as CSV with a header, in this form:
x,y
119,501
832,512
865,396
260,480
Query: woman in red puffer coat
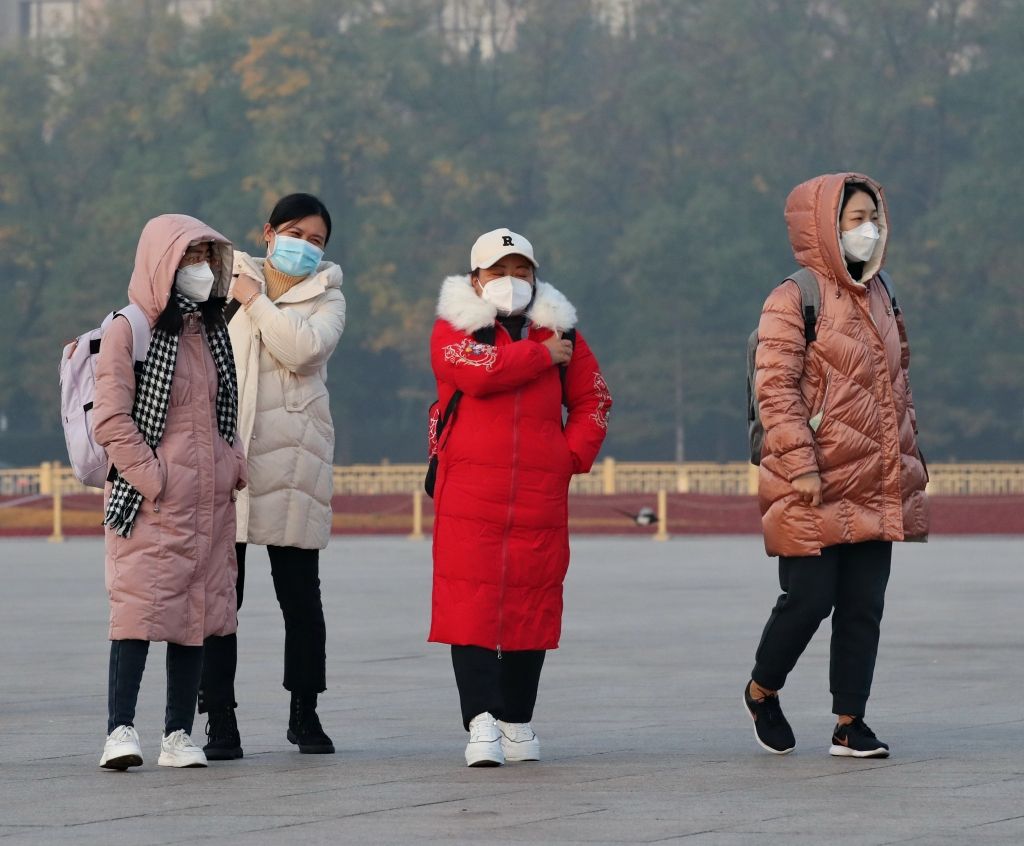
x,y
505,459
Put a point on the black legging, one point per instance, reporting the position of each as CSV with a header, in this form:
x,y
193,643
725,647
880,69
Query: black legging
x,y
127,664
506,687
850,578
296,575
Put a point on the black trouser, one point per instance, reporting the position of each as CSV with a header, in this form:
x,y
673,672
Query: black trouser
x,y
505,686
296,575
850,578
128,662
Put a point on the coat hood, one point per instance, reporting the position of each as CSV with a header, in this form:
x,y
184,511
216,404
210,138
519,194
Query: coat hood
x,y
464,309
162,244
327,275
812,218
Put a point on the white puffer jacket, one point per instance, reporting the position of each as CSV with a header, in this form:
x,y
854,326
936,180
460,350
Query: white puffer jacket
x,y
284,417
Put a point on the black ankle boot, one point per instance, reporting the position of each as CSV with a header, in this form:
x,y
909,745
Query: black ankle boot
x,y
304,727
223,741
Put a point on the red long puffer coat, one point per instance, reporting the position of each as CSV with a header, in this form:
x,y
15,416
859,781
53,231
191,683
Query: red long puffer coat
x,y
501,535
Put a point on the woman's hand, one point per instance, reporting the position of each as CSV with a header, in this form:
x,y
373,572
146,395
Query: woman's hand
x,y
809,488
560,349
244,287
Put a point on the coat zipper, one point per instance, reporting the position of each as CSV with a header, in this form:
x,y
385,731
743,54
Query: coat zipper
x,y
866,305
508,519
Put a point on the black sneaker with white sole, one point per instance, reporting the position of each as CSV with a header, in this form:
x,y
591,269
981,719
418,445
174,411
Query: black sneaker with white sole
x,y
856,740
771,728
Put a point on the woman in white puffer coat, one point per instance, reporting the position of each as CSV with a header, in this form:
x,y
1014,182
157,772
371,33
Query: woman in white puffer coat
x,y
289,319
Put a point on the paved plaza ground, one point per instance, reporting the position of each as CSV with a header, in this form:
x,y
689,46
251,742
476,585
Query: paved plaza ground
x,y
643,735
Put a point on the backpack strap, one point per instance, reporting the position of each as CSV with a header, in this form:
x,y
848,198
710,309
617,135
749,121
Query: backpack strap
x,y
810,301
563,370
142,333
886,280
449,410
486,335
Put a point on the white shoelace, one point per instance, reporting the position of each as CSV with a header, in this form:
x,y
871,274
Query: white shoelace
x,y
122,733
482,730
179,740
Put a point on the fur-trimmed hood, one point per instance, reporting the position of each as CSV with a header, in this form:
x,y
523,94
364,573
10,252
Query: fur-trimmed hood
x,y
464,309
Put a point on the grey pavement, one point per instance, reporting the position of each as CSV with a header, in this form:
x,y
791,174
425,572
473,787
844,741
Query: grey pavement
x,y
643,735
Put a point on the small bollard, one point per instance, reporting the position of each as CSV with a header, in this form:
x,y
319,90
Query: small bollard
x,y
662,533
58,504
417,516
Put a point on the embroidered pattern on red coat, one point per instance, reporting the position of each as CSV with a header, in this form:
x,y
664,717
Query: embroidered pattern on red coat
x,y
471,353
435,418
604,401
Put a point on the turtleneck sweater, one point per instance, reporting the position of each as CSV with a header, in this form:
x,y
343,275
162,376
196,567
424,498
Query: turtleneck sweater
x,y
278,283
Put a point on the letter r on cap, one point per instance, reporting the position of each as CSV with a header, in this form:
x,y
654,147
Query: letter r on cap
x,y
506,241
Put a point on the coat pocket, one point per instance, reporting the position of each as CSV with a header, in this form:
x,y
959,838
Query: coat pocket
x,y
819,417
300,391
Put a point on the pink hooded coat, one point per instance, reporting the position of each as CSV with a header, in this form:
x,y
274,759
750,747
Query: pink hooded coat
x,y
173,579
853,382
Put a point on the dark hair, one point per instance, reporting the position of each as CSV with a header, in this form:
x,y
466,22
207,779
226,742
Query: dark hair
x,y
172,321
852,188
298,206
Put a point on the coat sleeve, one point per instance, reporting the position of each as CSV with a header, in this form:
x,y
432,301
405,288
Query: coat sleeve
x,y
781,350
302,345
481,369
589,402
112,424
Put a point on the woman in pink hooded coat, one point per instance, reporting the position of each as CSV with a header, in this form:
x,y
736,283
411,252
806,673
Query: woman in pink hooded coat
x,y
168,427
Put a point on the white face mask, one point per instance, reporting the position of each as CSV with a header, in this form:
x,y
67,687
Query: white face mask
x,y
509,294
195,281
859,244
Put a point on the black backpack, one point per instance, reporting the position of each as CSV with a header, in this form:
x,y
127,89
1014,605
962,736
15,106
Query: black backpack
x,y
483,336
810,303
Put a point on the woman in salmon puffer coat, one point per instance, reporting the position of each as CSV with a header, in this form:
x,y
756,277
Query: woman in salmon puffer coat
x,y
175,463
841,474
505,366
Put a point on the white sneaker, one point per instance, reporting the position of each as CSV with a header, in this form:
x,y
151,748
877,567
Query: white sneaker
x,y
519,742
122,749
178,750
484,747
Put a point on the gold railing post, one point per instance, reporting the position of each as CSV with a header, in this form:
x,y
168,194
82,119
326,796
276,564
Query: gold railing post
x,y
417,516
58,503
682,479
45,478
608,476
662,533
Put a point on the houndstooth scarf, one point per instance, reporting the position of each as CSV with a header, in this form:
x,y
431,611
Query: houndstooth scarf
x,y
152,397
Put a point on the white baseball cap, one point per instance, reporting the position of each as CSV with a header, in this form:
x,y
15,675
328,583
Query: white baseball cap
x,y
495,245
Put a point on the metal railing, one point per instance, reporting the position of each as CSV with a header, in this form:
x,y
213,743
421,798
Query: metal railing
x,y
608,477
53,481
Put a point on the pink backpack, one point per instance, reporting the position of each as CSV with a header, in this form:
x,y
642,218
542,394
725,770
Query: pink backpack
x,y
78,388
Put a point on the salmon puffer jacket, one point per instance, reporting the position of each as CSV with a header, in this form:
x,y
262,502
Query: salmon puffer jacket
x,y
173,579
852,381
501,530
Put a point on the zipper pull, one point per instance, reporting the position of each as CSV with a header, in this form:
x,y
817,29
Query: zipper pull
x,y
156,506
499,651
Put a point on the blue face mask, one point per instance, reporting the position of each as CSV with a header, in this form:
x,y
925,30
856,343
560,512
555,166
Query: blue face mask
x,y
294,256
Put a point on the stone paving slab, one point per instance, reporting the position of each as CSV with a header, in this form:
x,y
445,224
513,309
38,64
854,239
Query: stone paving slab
x,y
644,737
